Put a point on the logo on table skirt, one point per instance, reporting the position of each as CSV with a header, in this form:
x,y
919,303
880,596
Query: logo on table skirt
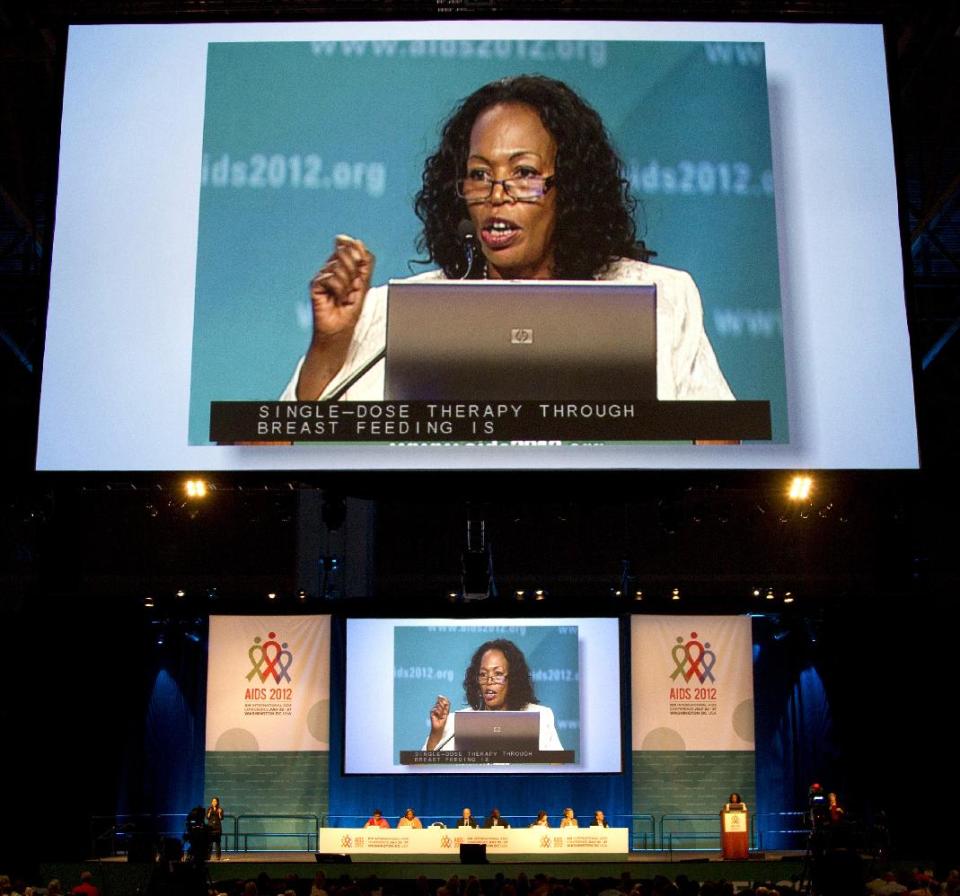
x,y
545,842
521,336
269,658
445,842
693,658
346,841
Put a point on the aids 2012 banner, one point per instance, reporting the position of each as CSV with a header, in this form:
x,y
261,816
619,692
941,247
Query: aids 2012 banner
x,y
268,683
268,714
693,714
692,679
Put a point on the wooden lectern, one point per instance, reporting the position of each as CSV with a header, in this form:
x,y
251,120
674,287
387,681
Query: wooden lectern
x,y
734,833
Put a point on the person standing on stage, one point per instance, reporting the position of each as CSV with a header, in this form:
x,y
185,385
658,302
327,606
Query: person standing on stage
x,y
599,821
834,808
569,820
214,826
409,820
377,820
736,804
466,820
495,820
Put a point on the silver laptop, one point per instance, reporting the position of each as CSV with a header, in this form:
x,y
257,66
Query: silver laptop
x,y
522,340
496,730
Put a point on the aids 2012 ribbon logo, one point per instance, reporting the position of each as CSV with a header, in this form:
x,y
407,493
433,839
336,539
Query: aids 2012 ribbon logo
x,y
693,658
269,659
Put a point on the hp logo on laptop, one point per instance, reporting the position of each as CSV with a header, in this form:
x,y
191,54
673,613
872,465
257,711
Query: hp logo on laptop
x,y
521,336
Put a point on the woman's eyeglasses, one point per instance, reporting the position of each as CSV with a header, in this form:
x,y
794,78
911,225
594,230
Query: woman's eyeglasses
x,y
494,678
528,188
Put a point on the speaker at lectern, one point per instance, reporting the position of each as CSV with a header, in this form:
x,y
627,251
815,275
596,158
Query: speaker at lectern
x,y
735,829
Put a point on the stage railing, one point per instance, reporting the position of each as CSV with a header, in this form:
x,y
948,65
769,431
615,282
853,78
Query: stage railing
x,y
670,838
140,837
643,830
271,833
143,835
792,826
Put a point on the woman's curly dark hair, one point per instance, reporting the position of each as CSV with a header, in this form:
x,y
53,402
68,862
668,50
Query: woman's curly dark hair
x,y
519,682
595,210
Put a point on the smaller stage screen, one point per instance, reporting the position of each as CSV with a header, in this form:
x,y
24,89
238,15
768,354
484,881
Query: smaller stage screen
x,y
487,696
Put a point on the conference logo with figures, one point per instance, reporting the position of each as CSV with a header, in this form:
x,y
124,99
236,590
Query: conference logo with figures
x,y
693,664
270,662
693,658
270,658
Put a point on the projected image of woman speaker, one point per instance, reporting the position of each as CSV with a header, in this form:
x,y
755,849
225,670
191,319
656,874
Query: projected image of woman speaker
x,y
474,694
498,679
525,173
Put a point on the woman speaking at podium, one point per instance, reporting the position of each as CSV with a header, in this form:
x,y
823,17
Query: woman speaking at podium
x,y
526,168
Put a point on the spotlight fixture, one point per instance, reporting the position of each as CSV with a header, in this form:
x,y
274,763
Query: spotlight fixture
x,y
271,595
756,592
675,595
538,594
770,594
195,488
302,595
638,595
181,593
800,487
149,602
520,594
788,597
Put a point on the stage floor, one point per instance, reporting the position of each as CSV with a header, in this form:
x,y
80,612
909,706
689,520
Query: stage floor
x,y
425,861
116,875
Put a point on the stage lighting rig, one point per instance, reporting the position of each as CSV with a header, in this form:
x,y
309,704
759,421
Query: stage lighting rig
x,y
476,576
801,487
196,489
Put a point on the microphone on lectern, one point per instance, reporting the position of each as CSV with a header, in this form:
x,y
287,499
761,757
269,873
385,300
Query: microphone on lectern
x,y
468,236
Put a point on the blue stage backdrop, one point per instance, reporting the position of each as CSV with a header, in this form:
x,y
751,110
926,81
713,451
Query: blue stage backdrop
x,y
796,740
795,745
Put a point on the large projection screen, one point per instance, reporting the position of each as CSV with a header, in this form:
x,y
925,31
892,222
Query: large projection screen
x,y
206,169
563,671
